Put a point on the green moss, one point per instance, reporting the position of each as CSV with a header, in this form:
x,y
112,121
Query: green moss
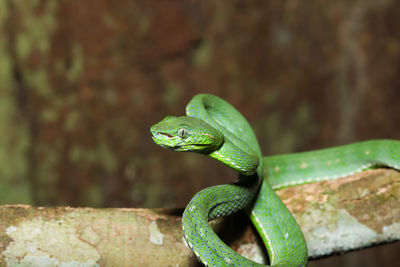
x,y
49,158
144,24
102,154
71,120
109,21
80,154
329,192
203,54
37,29
106,157
93,196
171,94
350,207
48,115
35,36
15,192
333,199
76,68
38,79
303,114
14,138
3,11
270,97
23,45
288,141
111,97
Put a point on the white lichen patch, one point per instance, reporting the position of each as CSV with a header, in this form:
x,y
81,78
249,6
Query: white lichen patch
x,y
338,231
11,230
47,243
89,235
156,237
392,232
252,252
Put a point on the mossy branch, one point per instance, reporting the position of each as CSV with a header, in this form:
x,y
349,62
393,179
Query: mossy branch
x,y
336,216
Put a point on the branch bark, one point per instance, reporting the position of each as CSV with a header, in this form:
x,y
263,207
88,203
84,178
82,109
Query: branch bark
x,y
357,211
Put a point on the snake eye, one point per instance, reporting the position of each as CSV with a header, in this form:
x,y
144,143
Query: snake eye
x,y
182,132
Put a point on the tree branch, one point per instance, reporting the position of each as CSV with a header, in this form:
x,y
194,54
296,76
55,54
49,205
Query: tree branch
x,y
335,216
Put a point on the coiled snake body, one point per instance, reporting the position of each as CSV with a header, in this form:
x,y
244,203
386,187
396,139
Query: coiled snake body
x,y
215,128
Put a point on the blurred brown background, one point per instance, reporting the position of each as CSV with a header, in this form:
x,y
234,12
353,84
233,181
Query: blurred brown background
x,y
81,82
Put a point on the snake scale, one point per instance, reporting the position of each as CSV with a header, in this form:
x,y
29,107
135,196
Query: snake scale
x,y
215,128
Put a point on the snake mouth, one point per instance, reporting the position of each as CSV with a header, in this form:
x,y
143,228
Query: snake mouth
x,y
184,147
166,134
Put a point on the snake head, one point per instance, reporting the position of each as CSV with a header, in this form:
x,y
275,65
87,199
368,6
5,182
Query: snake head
x,y
186,134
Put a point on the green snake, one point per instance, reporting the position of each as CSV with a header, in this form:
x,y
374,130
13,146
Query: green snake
x,y
215,128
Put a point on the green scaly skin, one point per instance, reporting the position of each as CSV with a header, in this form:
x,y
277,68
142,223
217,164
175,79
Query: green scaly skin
x,y
215,128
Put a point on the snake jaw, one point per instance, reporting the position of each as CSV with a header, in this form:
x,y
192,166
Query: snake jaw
x,y
168,141
164,140
175,144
